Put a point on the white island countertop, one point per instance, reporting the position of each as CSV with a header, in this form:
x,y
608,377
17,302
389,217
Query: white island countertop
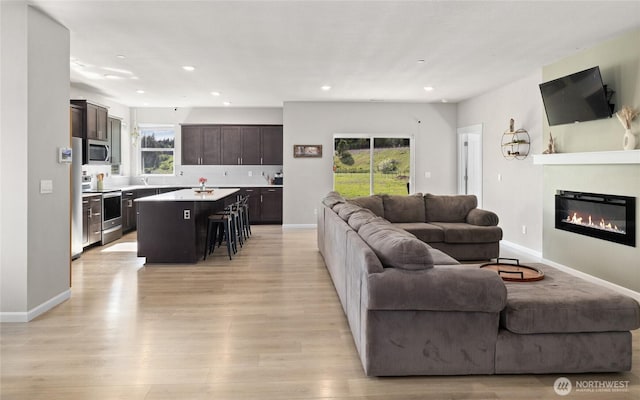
x,y
191,195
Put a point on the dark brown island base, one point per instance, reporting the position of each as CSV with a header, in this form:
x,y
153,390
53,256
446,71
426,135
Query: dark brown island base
x,y
172,227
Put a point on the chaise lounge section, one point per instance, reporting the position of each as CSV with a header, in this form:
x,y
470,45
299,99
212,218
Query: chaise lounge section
x,y
414,310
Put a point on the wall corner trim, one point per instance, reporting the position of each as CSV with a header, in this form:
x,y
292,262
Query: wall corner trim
x,y
36,311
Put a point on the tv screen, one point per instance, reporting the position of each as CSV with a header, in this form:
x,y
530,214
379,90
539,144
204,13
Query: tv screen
x,y
576,98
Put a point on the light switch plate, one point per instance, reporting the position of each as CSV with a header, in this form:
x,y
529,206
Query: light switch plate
x,y
46,186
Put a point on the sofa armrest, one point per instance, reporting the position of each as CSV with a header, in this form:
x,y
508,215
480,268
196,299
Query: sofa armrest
x,y
481,217
442,288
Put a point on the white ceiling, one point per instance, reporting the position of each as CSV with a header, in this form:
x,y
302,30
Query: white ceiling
x,y
262,53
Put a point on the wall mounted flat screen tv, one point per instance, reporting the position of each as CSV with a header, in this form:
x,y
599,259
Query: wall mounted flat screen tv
x,y
577,97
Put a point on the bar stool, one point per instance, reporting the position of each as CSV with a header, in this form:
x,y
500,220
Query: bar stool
x,y
244,206
220,226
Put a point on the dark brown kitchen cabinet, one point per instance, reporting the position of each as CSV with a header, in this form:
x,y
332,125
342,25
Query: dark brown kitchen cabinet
x,y
271,205
265,204
77,121
271,140
201,145
231,145
91,220
114,130
95,120
245,145
128,211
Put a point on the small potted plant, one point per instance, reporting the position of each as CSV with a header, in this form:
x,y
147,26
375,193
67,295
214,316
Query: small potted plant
x,y
203,182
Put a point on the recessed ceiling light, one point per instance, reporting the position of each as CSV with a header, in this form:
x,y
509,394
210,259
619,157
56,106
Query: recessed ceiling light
x,y
188,68
140,91
145,104
227,103
215,94
118,70
120,56
420,61
428,88
326,88
110,76
135,78
444,100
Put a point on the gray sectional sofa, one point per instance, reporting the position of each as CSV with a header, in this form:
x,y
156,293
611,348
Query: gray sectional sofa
x,y
414,310
452,224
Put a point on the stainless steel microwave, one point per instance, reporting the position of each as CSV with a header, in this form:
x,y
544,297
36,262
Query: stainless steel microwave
x,y
98,152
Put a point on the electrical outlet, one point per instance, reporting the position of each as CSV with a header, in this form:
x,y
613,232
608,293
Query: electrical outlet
x,y
315,211
499,177
427,175
186,214
250,173
524,229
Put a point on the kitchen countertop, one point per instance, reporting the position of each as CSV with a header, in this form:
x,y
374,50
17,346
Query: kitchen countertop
x,y
135,187
190,195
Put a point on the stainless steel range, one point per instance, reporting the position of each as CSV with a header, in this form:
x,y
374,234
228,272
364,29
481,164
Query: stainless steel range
x,y
111,216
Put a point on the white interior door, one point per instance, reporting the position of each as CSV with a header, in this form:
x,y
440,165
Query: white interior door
x,y
470,161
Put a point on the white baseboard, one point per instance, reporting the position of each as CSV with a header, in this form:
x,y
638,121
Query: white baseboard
x,y
36,311
299,226
521,249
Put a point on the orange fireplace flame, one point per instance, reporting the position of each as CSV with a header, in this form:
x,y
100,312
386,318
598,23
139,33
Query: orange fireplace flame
x,y
577,219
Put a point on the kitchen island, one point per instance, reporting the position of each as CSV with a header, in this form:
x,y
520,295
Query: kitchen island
x,y
172,227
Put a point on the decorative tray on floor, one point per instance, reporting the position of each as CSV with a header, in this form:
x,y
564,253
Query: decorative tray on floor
x,y
204,190
514,272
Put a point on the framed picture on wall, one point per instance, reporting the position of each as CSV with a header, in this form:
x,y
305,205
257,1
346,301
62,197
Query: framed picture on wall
x,y
307,150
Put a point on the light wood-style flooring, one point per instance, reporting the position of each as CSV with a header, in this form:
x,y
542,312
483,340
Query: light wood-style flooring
x,y
267,325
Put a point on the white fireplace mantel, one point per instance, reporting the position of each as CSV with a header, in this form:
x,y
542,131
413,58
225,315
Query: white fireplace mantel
x,y
591,157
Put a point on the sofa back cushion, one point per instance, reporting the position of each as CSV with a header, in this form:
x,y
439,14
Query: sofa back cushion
x,y
361,217
332,198
448,208
344,210
395,247
373,203
404,208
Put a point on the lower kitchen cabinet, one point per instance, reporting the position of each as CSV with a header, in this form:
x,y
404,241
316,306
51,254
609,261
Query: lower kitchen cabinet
x,y
265,205
91,220
128,211
130,208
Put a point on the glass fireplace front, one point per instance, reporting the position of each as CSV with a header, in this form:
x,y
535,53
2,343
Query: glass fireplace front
x,y
603,216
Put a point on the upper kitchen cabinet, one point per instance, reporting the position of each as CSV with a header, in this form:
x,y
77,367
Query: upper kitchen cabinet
x,y
95,124
252,145
114,131
77,120
271,141
201,145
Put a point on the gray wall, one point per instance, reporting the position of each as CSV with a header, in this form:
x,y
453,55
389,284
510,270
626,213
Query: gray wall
x,y
307,180
619,61
517,197
35,226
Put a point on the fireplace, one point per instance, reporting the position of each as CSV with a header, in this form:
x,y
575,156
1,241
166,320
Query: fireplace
x,y
603,216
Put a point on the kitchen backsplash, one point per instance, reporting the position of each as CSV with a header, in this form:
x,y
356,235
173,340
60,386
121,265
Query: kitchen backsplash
x,y
216,175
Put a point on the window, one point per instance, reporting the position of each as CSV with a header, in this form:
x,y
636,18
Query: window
x,y
156,149
365,165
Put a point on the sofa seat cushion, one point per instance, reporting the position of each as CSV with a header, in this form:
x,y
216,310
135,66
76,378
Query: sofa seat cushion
x,y
448,208
404,208
563,303
460,232
396,248
428,233
441,288
373,203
